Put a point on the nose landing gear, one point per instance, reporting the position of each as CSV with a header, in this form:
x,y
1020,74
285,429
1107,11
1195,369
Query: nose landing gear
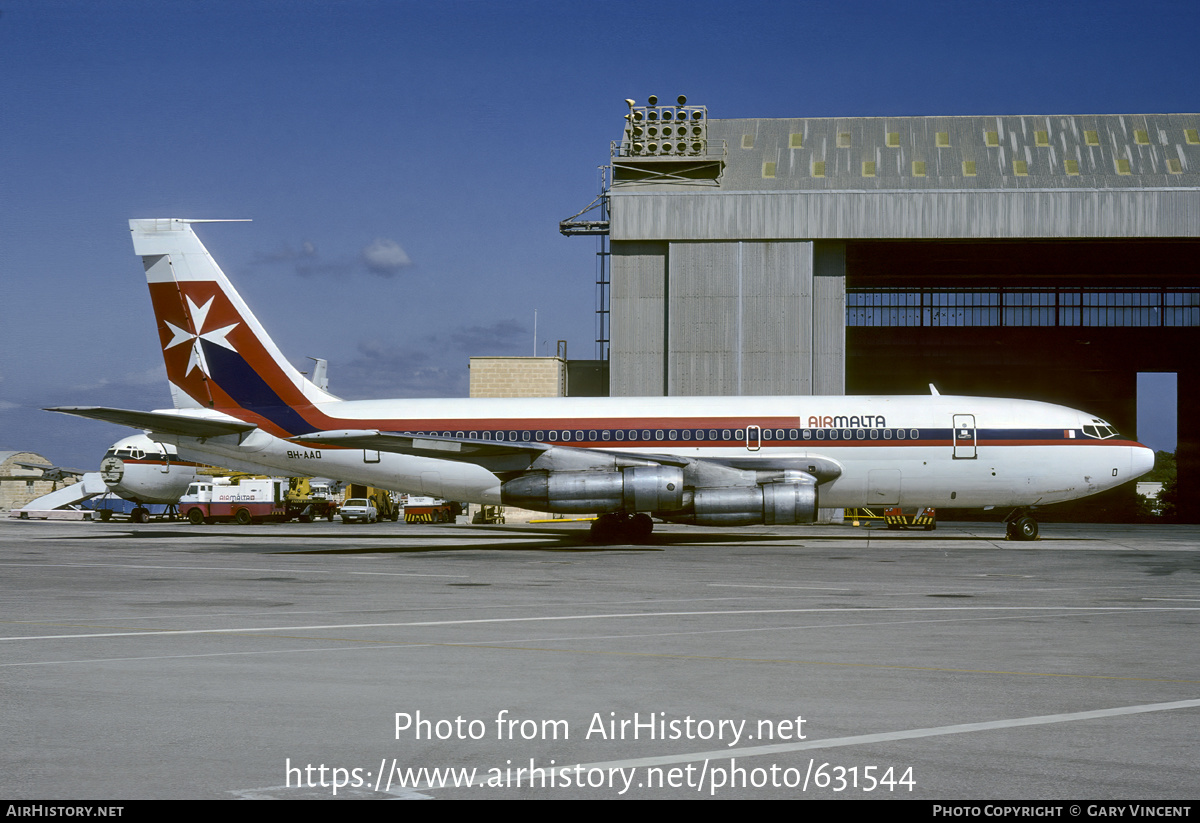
x,y
1020,526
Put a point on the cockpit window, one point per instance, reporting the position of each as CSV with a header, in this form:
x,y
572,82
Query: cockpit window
x,y
1099,429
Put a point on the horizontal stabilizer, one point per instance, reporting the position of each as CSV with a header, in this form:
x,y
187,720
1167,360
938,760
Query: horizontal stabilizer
x,y
160,422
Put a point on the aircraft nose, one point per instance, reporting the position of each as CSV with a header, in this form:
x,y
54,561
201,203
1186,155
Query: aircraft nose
x,y
1142,460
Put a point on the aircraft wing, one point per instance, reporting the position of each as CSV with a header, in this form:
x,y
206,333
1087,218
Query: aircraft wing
x,y
161,422
54,473
509,455
494,455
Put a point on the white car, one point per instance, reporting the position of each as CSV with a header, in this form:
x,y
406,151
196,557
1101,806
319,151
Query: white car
x,y
359,508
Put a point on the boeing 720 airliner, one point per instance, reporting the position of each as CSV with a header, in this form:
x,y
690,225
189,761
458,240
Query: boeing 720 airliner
x,y
714,461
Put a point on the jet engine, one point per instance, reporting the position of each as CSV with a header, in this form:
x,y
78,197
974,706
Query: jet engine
x,y
637,489
774,504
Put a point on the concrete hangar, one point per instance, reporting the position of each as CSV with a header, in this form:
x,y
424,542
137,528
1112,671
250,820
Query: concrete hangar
x,y
1042,257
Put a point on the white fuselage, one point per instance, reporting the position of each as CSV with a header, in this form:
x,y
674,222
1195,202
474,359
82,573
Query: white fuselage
x,y
945,451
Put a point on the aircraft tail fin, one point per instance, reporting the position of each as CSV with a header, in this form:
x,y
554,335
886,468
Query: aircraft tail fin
x,y
218,355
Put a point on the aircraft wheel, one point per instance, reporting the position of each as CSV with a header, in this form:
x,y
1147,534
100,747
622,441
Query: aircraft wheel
x,y
140,515
606,529
640,527
1025,528
243,518
930,526
196,517
106,514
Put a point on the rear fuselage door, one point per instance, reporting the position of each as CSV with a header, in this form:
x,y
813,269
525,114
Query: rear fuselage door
x,y
964,437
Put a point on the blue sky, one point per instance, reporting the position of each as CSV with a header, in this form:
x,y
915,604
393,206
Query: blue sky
x,y
406,163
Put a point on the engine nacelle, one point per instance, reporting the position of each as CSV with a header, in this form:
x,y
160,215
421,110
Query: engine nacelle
x,y
774,504
637,489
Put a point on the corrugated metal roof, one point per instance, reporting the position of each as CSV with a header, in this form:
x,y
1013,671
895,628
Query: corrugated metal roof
x,y
1107,151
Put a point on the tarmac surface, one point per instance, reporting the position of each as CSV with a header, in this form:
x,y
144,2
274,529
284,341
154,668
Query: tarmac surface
x,y
173,661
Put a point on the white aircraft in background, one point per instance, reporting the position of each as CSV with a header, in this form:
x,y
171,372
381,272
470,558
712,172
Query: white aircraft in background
x,y
716,461
145,471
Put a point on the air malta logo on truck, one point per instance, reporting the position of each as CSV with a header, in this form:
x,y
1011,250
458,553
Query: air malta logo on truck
x,y
249,501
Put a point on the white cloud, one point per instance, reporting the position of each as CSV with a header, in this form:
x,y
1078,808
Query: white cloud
x,y
385,257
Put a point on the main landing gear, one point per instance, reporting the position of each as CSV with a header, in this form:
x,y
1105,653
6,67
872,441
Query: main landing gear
x,y
622,528
1020,526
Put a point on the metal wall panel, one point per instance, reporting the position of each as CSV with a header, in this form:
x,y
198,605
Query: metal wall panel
x,y
809,215
637,320
704,319
829,318
777,306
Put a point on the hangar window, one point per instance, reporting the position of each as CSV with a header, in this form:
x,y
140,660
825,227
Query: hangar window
x,y
1122,165
1071,166
868,168
1092,138
795,140
893,139
992,139
968,168
1192,136
943,139
1022,307
918,168
1174,166
1041,138
843,140
747,141
818,168
768,169
1141,137
1020,168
